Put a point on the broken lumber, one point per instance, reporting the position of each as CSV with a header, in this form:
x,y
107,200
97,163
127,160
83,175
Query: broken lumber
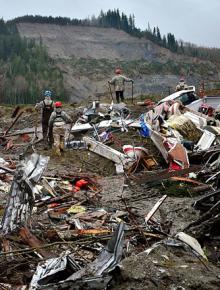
x,y
103,150
164,174
34,242
13,123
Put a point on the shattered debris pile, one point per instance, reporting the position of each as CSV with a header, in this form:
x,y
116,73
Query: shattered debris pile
x,y
168,265
133,202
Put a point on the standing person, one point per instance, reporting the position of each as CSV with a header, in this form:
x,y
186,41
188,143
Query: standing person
x,y
119,83
181,85
47,107
57,125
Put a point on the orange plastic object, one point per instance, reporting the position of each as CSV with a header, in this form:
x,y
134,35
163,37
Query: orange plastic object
x,y
81,183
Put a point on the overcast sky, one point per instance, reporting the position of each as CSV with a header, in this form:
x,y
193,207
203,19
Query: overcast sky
x,y
196,21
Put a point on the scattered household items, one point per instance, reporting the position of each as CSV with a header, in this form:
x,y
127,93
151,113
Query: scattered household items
x,y
136,191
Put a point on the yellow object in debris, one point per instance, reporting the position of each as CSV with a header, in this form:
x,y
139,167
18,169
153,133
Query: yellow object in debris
x,y
185,127
93,231
76,209
62,146
56,151
119,220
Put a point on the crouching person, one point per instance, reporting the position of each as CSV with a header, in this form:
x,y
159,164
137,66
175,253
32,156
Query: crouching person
x,y
57,125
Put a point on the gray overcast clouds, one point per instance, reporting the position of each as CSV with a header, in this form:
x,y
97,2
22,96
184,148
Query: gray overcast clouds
x,y
196,21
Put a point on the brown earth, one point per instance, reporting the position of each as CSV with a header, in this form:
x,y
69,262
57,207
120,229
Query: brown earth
x,y
89,42
87,57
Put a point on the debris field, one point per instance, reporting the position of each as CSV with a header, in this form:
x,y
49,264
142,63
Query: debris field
x,y
132,203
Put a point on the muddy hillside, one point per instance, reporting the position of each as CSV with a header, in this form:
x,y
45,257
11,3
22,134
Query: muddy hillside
x,y
88,56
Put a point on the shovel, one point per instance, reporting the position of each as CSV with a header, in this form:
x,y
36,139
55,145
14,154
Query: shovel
x,y
35,127
132,92
15,112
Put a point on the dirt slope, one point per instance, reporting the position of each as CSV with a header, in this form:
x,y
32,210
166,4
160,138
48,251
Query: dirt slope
x,y
89,42
87,56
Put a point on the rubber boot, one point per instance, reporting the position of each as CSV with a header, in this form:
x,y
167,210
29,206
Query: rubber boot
x,y
56,151
45,145
62,145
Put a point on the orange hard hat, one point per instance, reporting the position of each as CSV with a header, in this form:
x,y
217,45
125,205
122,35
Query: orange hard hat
x,y
118,71
58,104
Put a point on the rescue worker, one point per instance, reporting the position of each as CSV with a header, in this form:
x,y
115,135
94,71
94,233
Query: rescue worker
x,y
47,107
181,85
57,125
119,84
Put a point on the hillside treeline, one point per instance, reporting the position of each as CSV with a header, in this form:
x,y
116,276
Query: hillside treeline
x,y
115,19
25,69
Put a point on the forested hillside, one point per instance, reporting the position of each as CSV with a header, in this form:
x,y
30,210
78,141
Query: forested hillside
x,y
25,68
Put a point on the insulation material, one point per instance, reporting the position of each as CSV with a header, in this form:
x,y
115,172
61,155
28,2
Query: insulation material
x,y
185,127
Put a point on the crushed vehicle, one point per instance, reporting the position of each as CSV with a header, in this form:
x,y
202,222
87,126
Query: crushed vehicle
x,y
190,99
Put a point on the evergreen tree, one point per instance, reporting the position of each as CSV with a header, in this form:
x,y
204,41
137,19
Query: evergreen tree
x,y
164,41
171,42
158,35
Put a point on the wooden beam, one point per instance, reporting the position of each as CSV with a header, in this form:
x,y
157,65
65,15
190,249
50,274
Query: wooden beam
x,y
120,159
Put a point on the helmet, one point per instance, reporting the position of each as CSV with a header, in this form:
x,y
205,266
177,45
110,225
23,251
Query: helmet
x,y
118,71
58,104
47,93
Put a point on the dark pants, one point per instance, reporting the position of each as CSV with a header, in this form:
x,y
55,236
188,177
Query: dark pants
x,y
44,129
119,94
45,125
47,134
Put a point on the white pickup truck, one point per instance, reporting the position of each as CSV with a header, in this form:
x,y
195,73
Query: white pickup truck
x,y
190,99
